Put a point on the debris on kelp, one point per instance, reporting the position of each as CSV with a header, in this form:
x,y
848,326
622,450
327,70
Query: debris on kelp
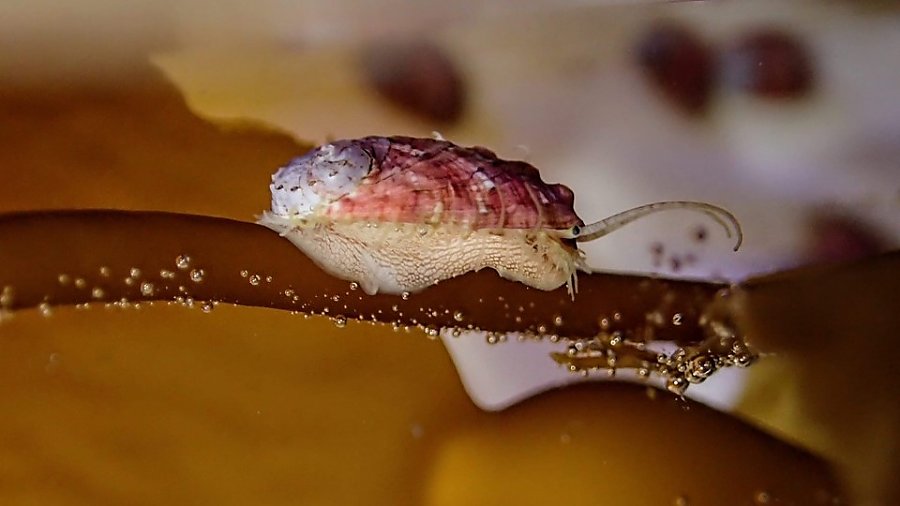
x,y
687,365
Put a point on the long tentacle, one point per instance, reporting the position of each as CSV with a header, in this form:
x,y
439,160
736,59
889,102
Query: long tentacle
x,y
606,226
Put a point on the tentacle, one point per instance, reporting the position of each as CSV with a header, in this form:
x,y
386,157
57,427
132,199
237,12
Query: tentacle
x,y
608,225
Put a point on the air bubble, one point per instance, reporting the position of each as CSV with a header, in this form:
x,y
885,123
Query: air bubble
x,y
134,272
104,271
182,262
558,320
147,289
166,274
432,332
676,319
404,295
354,286
64,279
340,321
458,316
244,274
762,497
254,279
97,293
45,309
80,283
677,385
197,275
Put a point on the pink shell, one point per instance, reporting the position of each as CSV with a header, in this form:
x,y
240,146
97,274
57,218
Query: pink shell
x,y
434,181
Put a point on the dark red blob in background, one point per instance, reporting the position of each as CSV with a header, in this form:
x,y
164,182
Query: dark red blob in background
x,y
836,237
680,65
769,63
418,76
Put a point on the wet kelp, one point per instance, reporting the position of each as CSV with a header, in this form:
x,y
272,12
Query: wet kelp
x,y
84,257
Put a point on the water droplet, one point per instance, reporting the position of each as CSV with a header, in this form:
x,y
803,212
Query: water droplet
x,y
254,279
404,295
147,289
197,275
97,293
80,283
45,308
182,262
677,385
64,279
340,321
458,316
104,271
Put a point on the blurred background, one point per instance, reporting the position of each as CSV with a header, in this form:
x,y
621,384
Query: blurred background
x,y
785,112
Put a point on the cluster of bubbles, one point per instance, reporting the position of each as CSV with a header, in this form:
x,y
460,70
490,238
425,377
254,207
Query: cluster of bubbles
x,y
685,366
146,286
607,351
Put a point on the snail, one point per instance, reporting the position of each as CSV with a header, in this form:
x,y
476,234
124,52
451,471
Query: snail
x,y
399,214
